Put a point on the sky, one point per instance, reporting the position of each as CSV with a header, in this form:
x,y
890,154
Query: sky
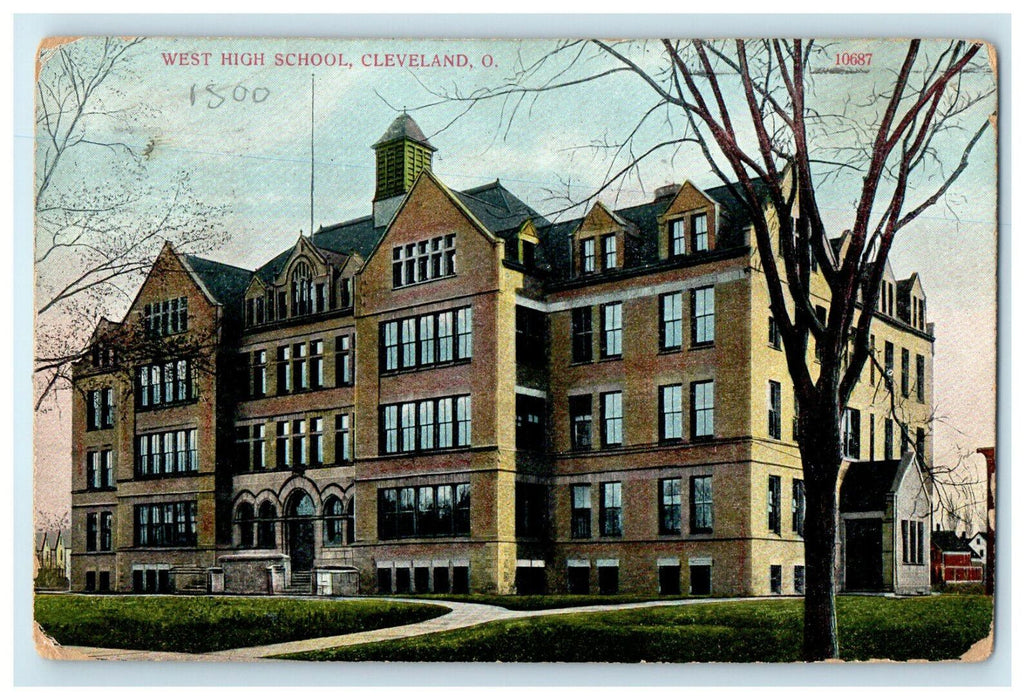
x,y
245,136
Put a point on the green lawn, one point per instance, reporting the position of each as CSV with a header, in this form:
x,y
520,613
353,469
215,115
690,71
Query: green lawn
x,y
539,602
196,625
935,628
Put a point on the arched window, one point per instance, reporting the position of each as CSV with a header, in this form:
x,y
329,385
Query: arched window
x,y
302,289
333,522
267,525
245,521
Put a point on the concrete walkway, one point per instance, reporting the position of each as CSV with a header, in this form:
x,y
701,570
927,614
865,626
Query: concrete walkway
x,y
460,615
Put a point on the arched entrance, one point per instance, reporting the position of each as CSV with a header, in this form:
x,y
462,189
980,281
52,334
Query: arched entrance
x,y
300,525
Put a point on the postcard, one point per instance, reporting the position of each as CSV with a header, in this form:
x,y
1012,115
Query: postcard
x,y
469,350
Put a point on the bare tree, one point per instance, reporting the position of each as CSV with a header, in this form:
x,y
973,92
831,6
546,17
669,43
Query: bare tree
x,y
754,111
101,213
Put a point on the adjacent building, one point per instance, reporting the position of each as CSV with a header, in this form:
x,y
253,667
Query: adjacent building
x,y
455,394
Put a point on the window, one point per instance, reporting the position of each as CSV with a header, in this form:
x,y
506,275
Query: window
x,y
870,362
888,438
612,330
166,524
920,388
851,433
342,375
91,531
702,504
671,415
870,438
774,504
100,470
580,422
300,370
669,506
700,236
798,506
773,334
889,364
530,423
904,371
106,531
298,443
245,523
267,525
342,444
333,522
315,443
774,410
426,260
675,231
425,341
612,418
258,385
580,511
100,409
531,509
611,509
582,334
251,447
347,293
775,579
702,316
913,541
919,445
163,384
608,577
301,289
670,321
588,256
166,454
609,251
167,317
437,423
799,580
283,366
425,511
702,409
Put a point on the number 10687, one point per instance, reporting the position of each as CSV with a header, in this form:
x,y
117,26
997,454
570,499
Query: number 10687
x,y
853,59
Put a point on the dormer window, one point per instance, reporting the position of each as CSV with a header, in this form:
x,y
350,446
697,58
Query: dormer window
x,y
588,256
254,311
677,242
609,251
347,300
700,233
301,290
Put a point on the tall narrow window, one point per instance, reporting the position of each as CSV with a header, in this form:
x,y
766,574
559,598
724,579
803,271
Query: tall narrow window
x,y
300,369
774,504
427,341
612,329
904,371
582,334
611,509
889,365
580,510
670,321
773,334
609,251
445,336
612,418
700,235
580,422
315,443
888,439
464,333
669,506
299,444
106,521
676,232
408,343
283,443
774,410
389,358
919,445
588,256
342,356
258,374
702,409
342,435
671,414
920,383
301,289
283,384
315,364
851,433
798,506
702,504
702,316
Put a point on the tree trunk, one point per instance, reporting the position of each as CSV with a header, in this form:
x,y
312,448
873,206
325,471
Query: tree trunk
x,y
821,451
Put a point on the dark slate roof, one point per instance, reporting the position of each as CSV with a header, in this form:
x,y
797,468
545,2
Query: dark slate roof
x,y
866,485
227,283
405,127
502,212
948,541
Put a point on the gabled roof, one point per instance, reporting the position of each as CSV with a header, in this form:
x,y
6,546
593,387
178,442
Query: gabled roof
x,y
867,484
404,127
498,209
225,283
949,541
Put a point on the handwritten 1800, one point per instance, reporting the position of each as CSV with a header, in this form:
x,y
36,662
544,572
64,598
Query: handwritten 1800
x,y
218,96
